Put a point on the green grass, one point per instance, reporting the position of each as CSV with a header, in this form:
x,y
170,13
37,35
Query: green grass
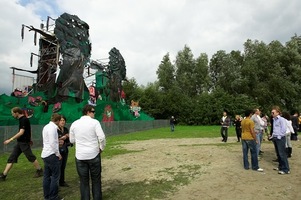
x,y
20,183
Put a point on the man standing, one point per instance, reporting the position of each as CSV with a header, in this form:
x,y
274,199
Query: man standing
x,y
172,123
225,122
51,157
249,141
278,137
259,123
23,138
89,138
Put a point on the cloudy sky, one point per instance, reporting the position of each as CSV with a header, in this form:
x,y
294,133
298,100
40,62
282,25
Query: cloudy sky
x,y
145,30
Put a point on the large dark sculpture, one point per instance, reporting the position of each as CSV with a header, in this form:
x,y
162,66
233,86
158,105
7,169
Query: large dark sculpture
x,y
73,38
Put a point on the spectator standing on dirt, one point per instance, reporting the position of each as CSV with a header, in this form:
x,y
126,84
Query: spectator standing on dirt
x,y
89,139
289,131
249,141
23,144
265,120
225,123
258,129
279,133
172,122
237,123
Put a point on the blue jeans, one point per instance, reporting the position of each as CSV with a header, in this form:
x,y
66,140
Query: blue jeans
x,y
246,145
86,169
282,159
172,127
259,137
51,177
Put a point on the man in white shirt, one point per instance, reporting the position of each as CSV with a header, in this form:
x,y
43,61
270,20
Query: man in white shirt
x,y
89,140
259,124
52,158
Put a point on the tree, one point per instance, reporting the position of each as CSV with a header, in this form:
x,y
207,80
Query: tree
x,y
132,90
186,72
166,74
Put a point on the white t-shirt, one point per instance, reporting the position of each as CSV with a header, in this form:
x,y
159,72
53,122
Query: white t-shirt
x,y
50,140
88,137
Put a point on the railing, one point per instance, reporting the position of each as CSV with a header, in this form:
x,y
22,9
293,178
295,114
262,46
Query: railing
x,y
110,128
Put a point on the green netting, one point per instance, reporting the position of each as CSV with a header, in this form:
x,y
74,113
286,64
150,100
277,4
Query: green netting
x,y
70,108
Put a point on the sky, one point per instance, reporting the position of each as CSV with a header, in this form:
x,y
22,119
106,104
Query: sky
x,y
146,30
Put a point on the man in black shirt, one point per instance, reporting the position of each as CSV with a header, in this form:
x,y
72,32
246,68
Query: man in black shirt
x,y
23,138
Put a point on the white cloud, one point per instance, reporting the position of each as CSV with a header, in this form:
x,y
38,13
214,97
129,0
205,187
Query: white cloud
x,y
144,31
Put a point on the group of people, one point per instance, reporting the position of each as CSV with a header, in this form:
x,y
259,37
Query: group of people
x,y
251,129
85,132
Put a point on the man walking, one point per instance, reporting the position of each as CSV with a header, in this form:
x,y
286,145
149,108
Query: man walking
x,y
23,144
225,122
89,140
51,157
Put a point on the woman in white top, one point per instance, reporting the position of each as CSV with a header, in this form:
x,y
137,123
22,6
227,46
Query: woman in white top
x,y
289,131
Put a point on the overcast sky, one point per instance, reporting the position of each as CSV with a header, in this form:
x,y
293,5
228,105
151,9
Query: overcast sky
x,y
145,30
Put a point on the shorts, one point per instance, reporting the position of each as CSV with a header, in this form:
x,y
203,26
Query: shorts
x,y
21,147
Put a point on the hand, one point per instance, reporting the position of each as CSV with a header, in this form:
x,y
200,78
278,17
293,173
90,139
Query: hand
x,y
61,142
60,157
31,143
7,141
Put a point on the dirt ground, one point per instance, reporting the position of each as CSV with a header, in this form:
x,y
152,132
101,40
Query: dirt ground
x,y
221,174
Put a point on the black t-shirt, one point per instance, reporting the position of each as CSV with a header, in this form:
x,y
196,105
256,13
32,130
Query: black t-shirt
x,y
24,124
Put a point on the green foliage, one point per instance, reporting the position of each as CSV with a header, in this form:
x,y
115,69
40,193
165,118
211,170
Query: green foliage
x,y
196,91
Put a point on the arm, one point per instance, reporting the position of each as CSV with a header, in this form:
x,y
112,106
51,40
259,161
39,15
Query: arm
x,y
290,126
16,136
71,134
101,136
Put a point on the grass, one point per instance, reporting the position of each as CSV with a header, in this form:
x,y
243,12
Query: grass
x,y
20,183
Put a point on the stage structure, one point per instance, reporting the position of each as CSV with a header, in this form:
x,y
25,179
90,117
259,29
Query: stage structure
x,y
64,62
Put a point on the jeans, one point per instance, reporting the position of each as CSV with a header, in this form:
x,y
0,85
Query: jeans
x,y
86,169
64,155
282,159
259,137
224,133
172,127
246,145
51,177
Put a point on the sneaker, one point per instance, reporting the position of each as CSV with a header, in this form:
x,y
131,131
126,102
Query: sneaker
x,y
276,168
282,172
260,170
2,177
38,173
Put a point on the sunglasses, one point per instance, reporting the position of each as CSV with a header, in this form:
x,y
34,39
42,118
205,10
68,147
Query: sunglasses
x,y
92,111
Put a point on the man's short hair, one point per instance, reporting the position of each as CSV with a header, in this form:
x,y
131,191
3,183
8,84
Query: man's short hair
x,y
87,108
248,112
17,110
55,117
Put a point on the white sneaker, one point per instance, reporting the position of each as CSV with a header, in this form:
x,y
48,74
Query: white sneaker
x,y
260,170
282,172
276,168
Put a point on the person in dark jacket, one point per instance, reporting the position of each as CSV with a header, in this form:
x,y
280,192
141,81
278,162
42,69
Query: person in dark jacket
x,y
64,143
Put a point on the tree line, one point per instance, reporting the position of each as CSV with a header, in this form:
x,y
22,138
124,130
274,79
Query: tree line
x,y
196,90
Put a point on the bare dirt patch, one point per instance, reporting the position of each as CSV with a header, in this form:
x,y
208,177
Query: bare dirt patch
x,y
220,173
